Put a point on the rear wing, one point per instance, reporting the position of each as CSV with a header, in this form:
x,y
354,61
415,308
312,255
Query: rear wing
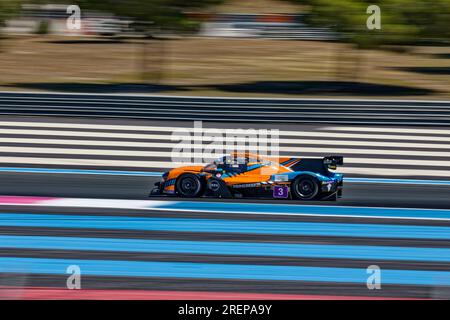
x,y
331,162
318,165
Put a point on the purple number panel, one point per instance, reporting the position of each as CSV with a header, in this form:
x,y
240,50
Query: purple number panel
x,y
280,192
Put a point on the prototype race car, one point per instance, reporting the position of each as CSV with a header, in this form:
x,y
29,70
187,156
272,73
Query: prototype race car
x,y
247,175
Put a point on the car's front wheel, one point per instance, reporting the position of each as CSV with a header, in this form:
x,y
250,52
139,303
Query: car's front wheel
x,y
305,188
189,186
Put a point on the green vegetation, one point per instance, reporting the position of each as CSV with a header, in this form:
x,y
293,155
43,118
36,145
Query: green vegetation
x,y
8,8
403,21
43,27
150,14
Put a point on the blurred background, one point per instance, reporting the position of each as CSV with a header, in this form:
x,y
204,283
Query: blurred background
x,y
82,164
228,47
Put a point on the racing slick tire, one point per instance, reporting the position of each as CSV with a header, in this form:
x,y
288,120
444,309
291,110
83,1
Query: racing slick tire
x,y
189,186
305,188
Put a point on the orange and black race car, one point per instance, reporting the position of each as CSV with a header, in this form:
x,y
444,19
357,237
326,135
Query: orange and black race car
x,y
247,175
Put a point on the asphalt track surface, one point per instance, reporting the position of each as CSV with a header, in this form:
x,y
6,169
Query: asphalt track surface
x,y
135,187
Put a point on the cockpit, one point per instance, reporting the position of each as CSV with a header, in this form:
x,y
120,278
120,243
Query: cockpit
x,y
235,164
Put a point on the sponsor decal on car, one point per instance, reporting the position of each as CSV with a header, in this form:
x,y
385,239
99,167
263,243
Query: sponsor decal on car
x,y
247,185
214,185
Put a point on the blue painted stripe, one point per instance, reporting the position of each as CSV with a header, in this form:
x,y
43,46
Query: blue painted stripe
x,y
289,209
158,174
371,253
219,271
224,226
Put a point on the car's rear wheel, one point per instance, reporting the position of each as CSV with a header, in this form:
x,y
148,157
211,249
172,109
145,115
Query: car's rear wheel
x,y
189,186
305,188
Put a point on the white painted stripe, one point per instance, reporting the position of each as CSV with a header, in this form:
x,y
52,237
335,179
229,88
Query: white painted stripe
x,y
162,164
168,155
395,172
104,203
388,130
175,138
162,206
323,149
90,162
100,152
83,126
179,131
404,162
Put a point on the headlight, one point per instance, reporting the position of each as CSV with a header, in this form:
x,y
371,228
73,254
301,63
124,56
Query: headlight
x,y
165,175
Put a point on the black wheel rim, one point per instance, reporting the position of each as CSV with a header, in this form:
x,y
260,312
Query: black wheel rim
x,y
306,189
189,186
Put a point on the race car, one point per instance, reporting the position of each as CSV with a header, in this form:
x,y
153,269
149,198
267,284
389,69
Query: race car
x,y
245,175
